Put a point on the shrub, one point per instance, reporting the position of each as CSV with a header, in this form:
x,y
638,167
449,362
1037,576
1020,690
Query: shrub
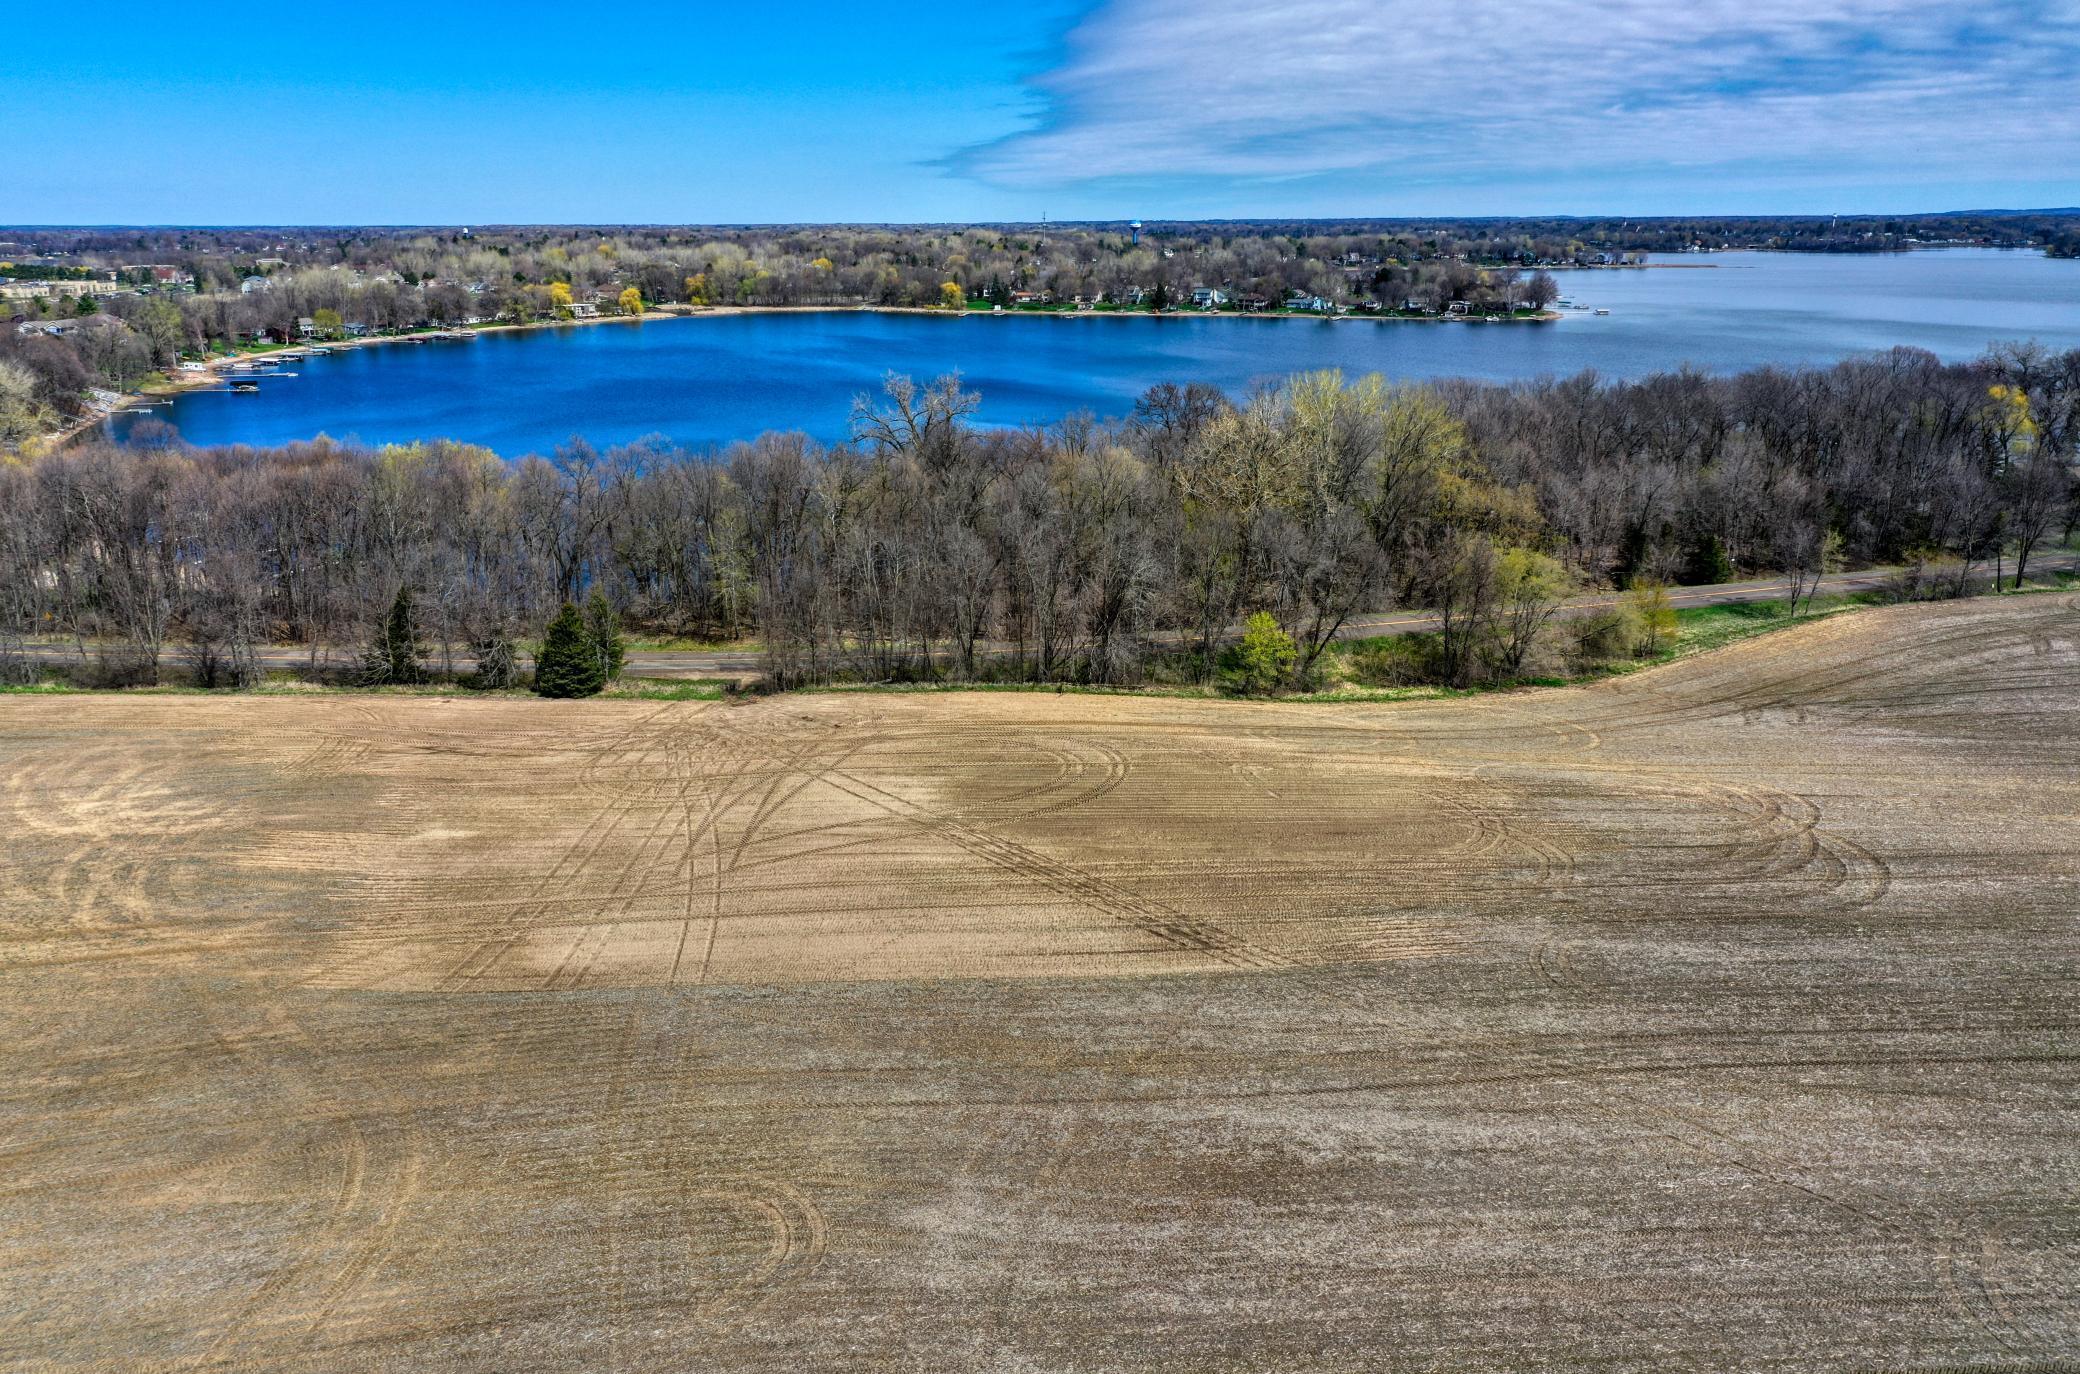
x,y
1648,600
1393,662
1931,576
1264,659
1608,634
17,669
569,663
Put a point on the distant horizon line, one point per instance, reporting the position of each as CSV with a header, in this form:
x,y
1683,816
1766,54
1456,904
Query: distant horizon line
x,y
1146,222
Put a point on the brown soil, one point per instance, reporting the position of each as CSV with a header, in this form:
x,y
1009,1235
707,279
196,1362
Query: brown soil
x,y
1716,1018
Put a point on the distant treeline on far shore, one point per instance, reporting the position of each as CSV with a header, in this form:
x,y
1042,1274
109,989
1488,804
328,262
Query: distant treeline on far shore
x,y
926,548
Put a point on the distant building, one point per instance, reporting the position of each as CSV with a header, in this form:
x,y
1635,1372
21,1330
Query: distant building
x,y
1209,297
52,290
161,272
584,310
248,285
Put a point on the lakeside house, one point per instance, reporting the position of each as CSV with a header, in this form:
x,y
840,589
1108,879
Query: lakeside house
x,y
584,310
1031,298
1209,297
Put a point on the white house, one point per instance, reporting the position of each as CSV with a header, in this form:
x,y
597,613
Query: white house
x,y
248,285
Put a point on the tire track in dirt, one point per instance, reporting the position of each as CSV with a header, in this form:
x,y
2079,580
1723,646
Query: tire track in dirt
x,y
331,1261
799,1240
1184,933
572,863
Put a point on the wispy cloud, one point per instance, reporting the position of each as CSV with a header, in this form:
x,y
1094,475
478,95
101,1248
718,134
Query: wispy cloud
x,y
1811,93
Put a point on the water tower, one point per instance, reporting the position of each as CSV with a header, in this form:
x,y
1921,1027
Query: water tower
x,y
1136,228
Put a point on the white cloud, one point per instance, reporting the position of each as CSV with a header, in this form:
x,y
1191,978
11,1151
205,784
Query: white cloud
x,y
1814,91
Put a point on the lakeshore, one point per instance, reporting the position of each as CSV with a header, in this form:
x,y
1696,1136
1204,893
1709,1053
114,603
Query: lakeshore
x,y
708,376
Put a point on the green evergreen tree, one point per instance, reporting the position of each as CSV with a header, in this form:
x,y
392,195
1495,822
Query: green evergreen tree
x,y
1632,553
568,664
1709,564
603,628
393,657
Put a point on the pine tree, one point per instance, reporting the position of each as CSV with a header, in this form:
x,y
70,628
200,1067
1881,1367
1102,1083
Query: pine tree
x,y
1709,564
569,663
393,658
603,628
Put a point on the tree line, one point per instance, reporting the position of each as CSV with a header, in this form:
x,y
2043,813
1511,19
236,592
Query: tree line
x,y
930,548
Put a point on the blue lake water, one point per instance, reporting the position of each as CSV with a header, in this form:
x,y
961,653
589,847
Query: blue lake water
x,y
703,381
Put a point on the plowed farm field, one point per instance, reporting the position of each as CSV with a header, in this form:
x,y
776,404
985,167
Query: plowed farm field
x,y
1719,1017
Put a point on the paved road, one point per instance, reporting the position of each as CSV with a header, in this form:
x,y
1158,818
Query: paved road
x,y
675,663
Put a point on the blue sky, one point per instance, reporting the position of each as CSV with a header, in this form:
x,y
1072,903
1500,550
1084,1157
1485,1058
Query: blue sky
x,y
385,113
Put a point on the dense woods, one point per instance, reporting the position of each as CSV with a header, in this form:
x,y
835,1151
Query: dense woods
x,y
930,548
